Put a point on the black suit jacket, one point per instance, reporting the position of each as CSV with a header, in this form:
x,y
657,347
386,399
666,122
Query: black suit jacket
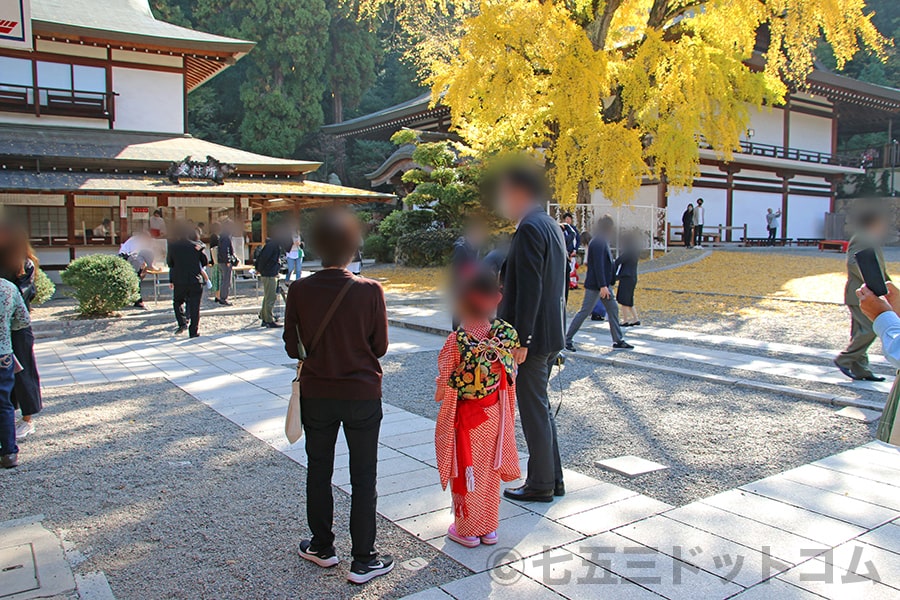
x,y
534,280
186,261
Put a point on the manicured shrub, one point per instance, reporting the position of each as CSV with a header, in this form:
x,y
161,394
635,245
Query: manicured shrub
x,y
44,288
103,284
430,248
378,247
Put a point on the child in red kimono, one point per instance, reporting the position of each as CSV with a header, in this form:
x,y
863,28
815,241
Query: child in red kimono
x,y
475,435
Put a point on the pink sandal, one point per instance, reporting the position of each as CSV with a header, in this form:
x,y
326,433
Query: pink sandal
x,y
489,539
469,541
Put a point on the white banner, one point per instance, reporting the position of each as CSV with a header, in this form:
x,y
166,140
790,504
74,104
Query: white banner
x,y
15,24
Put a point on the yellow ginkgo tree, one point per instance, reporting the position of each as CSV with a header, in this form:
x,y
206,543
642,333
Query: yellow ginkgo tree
x,y
616,90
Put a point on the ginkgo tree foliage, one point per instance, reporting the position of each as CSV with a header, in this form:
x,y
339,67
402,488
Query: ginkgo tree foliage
x,y
609,92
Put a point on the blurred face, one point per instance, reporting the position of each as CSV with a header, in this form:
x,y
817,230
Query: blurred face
x,y
514,201
568,220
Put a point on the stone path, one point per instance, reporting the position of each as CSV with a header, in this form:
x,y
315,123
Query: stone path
x,y
794,535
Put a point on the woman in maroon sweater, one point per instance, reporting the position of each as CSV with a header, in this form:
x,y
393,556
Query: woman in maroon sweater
x,y
341,385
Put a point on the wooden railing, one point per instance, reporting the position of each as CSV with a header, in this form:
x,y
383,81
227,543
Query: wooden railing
x,y
57,101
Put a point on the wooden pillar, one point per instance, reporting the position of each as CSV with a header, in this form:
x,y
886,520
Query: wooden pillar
x,y
264,224
786,125
70,219
123,229
785,190
729,170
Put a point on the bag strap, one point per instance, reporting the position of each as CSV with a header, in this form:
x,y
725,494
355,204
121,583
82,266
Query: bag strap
x,y
331,310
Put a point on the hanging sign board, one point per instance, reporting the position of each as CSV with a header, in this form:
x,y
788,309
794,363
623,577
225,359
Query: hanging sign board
x,y
15,24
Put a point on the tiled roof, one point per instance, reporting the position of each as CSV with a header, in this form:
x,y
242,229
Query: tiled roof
x,y
72,146
127,21
313,191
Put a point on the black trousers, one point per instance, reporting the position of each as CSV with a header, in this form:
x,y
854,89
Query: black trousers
x,y
362,421
538,422
698,235
26,395
772,232
189,294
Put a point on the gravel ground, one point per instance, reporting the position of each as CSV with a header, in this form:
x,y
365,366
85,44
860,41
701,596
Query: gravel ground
x,y
712,437
171,500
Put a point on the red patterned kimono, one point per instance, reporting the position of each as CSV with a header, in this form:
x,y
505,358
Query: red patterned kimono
x,y
475,440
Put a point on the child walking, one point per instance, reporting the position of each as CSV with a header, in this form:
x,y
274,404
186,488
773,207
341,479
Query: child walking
x,y
475,435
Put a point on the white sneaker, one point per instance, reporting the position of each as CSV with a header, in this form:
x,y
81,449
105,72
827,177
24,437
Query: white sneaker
x,y
699,246
24,429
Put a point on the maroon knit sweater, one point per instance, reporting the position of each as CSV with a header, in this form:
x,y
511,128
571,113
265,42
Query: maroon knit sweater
x,y
344,364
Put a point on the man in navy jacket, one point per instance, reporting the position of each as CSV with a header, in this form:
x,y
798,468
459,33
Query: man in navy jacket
x,y
533,290
601,276
268,265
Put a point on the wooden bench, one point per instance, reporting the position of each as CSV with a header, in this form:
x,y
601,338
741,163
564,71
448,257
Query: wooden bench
x,y
764,241
809,241
839,245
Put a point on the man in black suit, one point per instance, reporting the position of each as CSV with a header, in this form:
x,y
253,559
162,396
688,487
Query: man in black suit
x,y
533,302
186,260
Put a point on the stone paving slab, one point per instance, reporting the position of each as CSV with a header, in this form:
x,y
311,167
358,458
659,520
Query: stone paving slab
x,y
865,561
805,523
886,537
582,500
711,553
859,414
780,544
653,570
834,589
630,466
883,495
42,552
776,589
823,502
572,577
615,514
498,587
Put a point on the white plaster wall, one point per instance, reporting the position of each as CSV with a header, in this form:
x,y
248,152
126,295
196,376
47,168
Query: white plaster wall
x,y
809,132
148,100
714,203
646,195
806,216
750,208
52,120
768,125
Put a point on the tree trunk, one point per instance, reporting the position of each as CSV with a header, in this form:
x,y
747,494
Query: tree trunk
x,y
338,104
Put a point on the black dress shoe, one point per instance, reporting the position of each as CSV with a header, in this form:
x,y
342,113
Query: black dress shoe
x,y
570,347
560,489
622,345
844,370
872,377
180,330
527,494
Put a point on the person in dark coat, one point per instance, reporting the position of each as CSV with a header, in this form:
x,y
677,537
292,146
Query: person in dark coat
x,y
687,224
572,240
534,281
626,267
598,284
268,265
19,268
186,259
226,260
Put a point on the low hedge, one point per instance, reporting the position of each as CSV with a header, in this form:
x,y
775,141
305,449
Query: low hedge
x,y
429,248
103,284
378,247
44,288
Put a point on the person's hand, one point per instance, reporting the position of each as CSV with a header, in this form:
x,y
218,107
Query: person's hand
x,y
604,293
893,296
171,286
870,304
520,354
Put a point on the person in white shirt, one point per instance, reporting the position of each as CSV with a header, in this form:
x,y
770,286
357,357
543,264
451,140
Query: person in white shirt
x,y
138,241
883,311
157,224
698,224
295,257
102,230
